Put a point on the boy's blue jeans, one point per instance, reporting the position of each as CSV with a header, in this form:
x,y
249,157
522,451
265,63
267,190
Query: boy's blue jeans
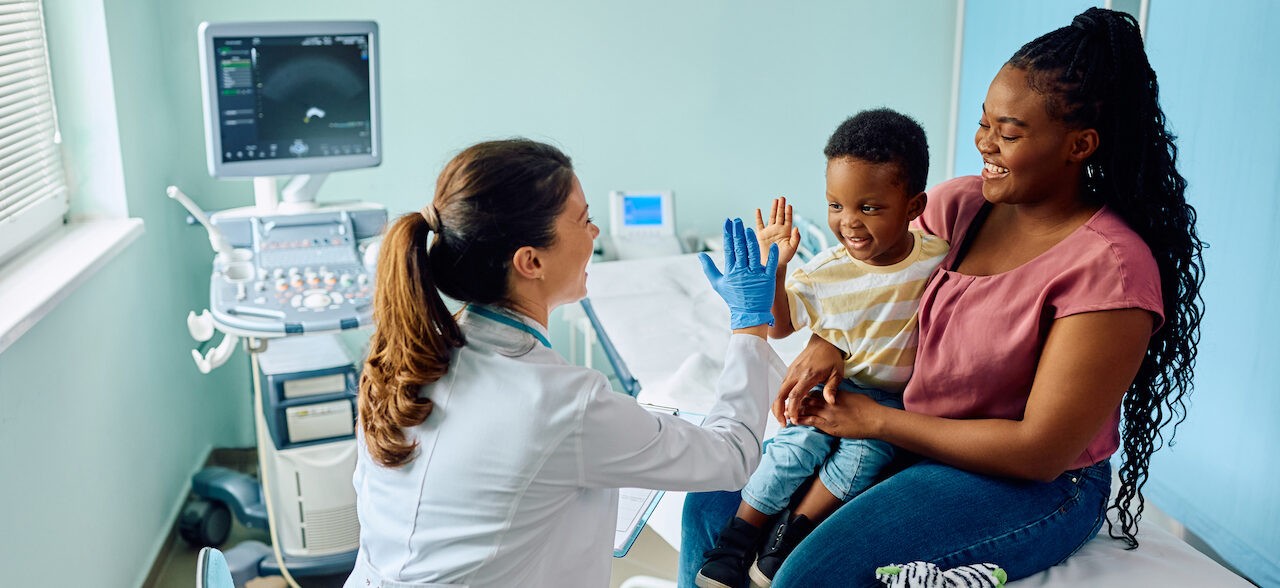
x,y
929,512
848,466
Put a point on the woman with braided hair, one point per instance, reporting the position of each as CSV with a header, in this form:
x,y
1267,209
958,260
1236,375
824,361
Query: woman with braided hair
x,y
1061,328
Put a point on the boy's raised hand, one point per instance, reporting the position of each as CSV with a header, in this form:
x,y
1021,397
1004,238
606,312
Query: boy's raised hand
x,y
779,230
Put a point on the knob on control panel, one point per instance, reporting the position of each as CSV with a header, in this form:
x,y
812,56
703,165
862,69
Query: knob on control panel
x,y
316,300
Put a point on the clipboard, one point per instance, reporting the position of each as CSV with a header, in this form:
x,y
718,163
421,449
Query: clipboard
x,y
635,505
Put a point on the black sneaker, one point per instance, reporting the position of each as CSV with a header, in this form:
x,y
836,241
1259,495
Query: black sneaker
x,y
783,540
726,563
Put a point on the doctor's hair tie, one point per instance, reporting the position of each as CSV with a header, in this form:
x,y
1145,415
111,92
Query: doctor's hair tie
x,y
430,215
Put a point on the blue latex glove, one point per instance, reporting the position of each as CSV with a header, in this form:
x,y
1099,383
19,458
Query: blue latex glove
x,y
745,285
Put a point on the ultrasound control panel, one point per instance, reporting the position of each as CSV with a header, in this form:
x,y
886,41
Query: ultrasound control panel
x,y
294,274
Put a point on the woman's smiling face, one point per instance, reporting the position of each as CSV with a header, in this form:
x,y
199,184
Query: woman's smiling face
x,y
1026,153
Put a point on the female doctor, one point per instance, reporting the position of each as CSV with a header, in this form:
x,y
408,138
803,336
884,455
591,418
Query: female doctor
x,y
486,459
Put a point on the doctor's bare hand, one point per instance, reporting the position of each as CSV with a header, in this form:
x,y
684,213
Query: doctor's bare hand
x,y
820,364
746,285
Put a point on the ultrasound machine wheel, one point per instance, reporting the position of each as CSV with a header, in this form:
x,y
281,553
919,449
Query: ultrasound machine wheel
x,y
204,523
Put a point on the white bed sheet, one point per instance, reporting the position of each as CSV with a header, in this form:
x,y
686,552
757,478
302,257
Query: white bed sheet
x,y
1160,560
670,328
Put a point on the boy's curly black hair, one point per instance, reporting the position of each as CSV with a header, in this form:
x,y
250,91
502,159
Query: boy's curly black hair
x,y
884,136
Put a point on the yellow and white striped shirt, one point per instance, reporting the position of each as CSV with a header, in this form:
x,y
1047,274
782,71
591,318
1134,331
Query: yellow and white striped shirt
x,y
868,311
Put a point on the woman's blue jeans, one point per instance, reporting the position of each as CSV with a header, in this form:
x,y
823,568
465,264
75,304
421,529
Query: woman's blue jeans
x,y
927,512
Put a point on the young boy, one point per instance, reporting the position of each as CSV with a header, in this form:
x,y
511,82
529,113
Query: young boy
x,y
861,295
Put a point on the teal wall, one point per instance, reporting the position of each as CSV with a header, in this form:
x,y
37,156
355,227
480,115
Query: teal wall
x,y
727,103
102,415
1218,84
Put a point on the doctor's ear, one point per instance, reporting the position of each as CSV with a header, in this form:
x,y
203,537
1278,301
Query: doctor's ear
x,y
526,263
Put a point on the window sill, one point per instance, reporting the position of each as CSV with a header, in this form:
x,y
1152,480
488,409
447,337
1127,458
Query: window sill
x,y
32,284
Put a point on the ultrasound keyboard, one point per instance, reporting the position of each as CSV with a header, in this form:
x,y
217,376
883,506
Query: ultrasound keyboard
x,y
294,274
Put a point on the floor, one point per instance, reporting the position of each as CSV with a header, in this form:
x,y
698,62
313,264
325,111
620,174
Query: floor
x,y
650,556
176,567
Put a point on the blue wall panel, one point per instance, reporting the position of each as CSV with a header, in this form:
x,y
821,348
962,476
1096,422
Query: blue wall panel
x,y
1218,85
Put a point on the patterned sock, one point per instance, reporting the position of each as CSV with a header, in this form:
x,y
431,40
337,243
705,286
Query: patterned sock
x,y
920,574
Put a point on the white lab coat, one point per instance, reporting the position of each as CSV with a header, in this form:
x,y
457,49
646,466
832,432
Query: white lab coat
x,y
516,474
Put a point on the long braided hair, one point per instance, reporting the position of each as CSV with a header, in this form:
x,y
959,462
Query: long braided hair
x,y
1095,74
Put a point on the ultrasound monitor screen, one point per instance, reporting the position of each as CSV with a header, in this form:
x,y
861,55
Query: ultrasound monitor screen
x,y
642,211
286,101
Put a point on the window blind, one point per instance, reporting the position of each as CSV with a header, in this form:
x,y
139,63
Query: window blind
x,y
33,187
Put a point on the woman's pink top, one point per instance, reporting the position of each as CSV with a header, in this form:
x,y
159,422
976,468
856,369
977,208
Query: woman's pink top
x,y
981,336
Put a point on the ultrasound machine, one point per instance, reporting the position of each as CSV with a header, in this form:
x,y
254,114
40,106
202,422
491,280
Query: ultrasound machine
x,y
293,99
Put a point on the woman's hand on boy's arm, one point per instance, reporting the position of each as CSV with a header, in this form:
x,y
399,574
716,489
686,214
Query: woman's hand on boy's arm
x,y
778,230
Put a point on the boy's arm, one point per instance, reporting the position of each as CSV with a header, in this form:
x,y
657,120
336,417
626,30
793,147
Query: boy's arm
x,y
780,231
782,326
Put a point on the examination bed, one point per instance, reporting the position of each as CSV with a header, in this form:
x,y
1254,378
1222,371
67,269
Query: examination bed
x,y
664,331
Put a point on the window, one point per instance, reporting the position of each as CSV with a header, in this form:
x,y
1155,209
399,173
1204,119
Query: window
x,y
33,190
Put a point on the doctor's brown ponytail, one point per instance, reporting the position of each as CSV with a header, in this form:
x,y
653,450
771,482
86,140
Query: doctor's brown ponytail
x,y
411,346
490,200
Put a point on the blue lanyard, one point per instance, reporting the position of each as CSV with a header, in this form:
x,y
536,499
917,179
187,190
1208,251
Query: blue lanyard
x,y
510,322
